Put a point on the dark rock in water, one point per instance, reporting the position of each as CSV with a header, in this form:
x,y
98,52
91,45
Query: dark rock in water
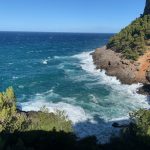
x,y
147,8
145,90
91,53
117,125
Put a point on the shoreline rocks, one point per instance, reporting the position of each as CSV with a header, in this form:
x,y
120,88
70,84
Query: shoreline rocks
x,y
144,90
127,71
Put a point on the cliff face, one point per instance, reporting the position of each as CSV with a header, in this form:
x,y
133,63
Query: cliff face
x,y
126,71
147,8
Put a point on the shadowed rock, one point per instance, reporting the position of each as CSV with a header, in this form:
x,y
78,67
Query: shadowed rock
x,y
147,8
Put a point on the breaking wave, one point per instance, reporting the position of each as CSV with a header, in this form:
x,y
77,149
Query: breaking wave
x,y
103,112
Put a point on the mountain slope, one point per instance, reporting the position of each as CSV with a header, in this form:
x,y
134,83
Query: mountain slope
x,y
134,40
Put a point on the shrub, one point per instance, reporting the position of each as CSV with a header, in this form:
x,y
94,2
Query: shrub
x,y
12,120
133,40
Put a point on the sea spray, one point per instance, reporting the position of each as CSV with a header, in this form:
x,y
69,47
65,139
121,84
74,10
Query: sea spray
x,y
49,75
103,112
88,65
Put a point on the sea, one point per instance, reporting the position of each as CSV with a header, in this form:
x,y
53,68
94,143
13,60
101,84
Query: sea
x,y
56,70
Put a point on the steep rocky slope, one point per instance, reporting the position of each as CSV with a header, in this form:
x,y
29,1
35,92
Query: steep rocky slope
x,y
127,54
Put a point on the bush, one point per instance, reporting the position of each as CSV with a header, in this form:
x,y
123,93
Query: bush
x,y
12,120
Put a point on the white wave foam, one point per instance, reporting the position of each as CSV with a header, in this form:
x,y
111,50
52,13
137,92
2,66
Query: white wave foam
x,y
45,95
57,57
121,119
124,97
87,64
15,77
21,86
93,99
45,61
10,63
75,113
83,123
61,57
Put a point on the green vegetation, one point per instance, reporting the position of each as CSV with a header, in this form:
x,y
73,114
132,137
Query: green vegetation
x,y
141,120
43,131
12,120
137,134
133,40
48,122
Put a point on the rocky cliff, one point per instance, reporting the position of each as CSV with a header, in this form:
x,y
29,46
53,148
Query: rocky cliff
x,y
147,8
127,71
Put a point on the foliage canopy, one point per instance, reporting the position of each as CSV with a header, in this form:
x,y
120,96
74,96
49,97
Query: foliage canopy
x,y
12,120
133,40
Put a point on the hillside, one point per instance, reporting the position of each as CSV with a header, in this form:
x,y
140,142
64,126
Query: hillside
x,y
134,40
127,54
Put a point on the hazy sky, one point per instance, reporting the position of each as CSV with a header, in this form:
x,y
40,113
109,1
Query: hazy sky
x,y
68,15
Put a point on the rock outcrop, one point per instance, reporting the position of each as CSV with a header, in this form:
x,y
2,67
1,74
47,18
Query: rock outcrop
x,y
147,8
125,70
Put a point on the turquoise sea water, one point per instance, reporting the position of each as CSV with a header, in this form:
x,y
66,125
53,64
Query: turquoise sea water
x,y
56,70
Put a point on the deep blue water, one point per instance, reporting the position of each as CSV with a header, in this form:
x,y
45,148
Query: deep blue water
x,y
56,70
22,56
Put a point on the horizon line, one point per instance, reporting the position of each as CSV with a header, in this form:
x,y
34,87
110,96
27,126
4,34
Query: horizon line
x,y
59,32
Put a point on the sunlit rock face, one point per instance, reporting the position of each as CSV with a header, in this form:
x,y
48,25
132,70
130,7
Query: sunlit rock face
x,y
147,8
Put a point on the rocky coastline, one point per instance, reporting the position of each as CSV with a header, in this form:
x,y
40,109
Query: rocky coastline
x,y
127,71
